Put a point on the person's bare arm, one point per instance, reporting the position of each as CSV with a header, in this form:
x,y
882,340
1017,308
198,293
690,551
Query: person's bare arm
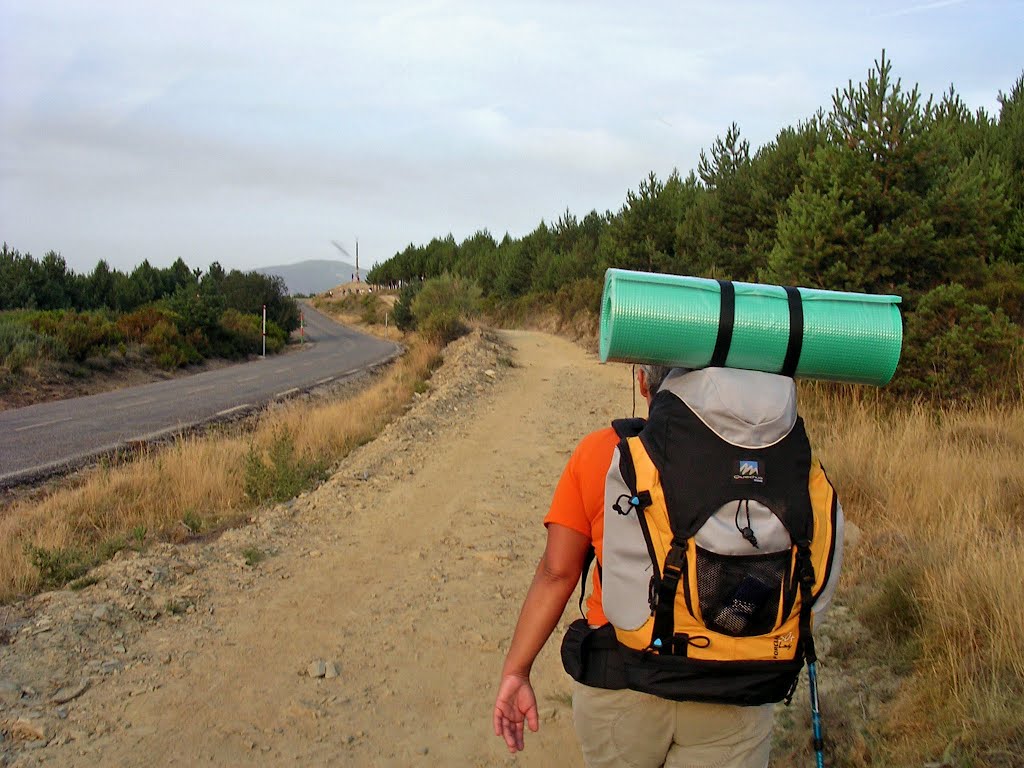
x,y
555,580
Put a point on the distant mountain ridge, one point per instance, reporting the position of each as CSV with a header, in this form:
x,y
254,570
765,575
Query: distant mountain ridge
x,y
314,276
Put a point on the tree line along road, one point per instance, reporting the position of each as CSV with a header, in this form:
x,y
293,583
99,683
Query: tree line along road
x,y
48,438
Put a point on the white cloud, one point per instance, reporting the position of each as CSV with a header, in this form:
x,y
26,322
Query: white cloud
x,y
920,8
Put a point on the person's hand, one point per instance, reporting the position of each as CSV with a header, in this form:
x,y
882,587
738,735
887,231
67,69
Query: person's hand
x,y
515,704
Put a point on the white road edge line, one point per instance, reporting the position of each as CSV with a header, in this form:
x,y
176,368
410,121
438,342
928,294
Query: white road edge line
x,y
248,378
324,381
226,411
287,392
43,424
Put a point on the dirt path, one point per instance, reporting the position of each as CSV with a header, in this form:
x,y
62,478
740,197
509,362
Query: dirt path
x,y
402,574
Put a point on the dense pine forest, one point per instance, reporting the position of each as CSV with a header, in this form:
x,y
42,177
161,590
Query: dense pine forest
x,y
887,192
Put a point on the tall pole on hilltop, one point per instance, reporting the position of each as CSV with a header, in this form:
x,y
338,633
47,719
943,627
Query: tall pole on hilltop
x,y
347,255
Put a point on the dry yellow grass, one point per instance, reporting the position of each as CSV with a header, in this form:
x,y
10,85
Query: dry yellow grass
x,y
198,482
939,498
350,311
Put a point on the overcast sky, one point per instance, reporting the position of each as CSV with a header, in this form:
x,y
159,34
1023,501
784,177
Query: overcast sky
x,y
254,133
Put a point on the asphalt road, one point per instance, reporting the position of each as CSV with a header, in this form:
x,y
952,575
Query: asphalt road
x,y
48,438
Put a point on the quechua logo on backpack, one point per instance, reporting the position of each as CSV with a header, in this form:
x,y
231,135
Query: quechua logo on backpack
x,y
748,471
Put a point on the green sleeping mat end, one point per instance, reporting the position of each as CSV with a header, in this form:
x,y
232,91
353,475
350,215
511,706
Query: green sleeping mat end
x,y
684,321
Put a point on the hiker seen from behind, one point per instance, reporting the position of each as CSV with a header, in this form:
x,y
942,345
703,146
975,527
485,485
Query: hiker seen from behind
x,y
716,540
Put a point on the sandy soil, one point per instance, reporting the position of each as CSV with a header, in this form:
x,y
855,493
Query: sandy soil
x,y
399,580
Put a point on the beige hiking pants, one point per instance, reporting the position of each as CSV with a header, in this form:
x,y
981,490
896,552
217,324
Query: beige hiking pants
x,y
637,730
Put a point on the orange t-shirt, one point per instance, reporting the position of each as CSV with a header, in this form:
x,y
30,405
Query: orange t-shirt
x,y
579,502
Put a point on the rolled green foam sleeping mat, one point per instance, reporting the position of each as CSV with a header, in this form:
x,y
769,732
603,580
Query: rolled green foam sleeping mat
x,y
695,322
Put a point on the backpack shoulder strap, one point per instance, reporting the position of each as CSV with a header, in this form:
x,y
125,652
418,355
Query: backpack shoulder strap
x,y
628,427
625,429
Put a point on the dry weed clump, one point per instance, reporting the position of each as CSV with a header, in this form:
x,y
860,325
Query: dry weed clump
x,y
936,579
196,485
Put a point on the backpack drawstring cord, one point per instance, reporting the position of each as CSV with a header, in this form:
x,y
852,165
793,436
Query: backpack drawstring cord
x,y
747,532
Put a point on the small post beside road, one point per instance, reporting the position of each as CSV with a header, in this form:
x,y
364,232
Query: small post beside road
x,y
302,328
264,330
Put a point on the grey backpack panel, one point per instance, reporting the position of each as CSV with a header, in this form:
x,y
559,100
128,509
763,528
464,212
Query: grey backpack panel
x,y
722,534
627,568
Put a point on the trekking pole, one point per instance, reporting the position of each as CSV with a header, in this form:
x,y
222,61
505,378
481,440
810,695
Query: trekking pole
x,y
819,744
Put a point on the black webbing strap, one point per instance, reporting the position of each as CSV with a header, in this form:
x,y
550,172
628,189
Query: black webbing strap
x,y
796,332
588,559
726,321
805,573
805,577
664,609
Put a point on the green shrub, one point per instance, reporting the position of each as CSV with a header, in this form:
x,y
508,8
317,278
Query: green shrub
x,y
135,325
109,547
84,334
1002,288
519,311
442,326
404,319
955,350
253,556
579,297
281,474
372,309
192,521
57,566
165,343
277,337
241,334
442,306
22,346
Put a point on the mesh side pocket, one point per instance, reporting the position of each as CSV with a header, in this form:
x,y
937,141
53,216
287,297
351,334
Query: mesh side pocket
x,y
739,596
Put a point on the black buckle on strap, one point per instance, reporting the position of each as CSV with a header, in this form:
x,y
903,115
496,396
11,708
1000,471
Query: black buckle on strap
x,y
804,568
675,560
665,607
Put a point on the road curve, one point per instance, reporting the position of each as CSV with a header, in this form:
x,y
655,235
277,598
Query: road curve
x,y
49,438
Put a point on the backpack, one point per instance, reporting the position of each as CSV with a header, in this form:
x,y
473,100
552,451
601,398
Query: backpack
x,y
713,557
